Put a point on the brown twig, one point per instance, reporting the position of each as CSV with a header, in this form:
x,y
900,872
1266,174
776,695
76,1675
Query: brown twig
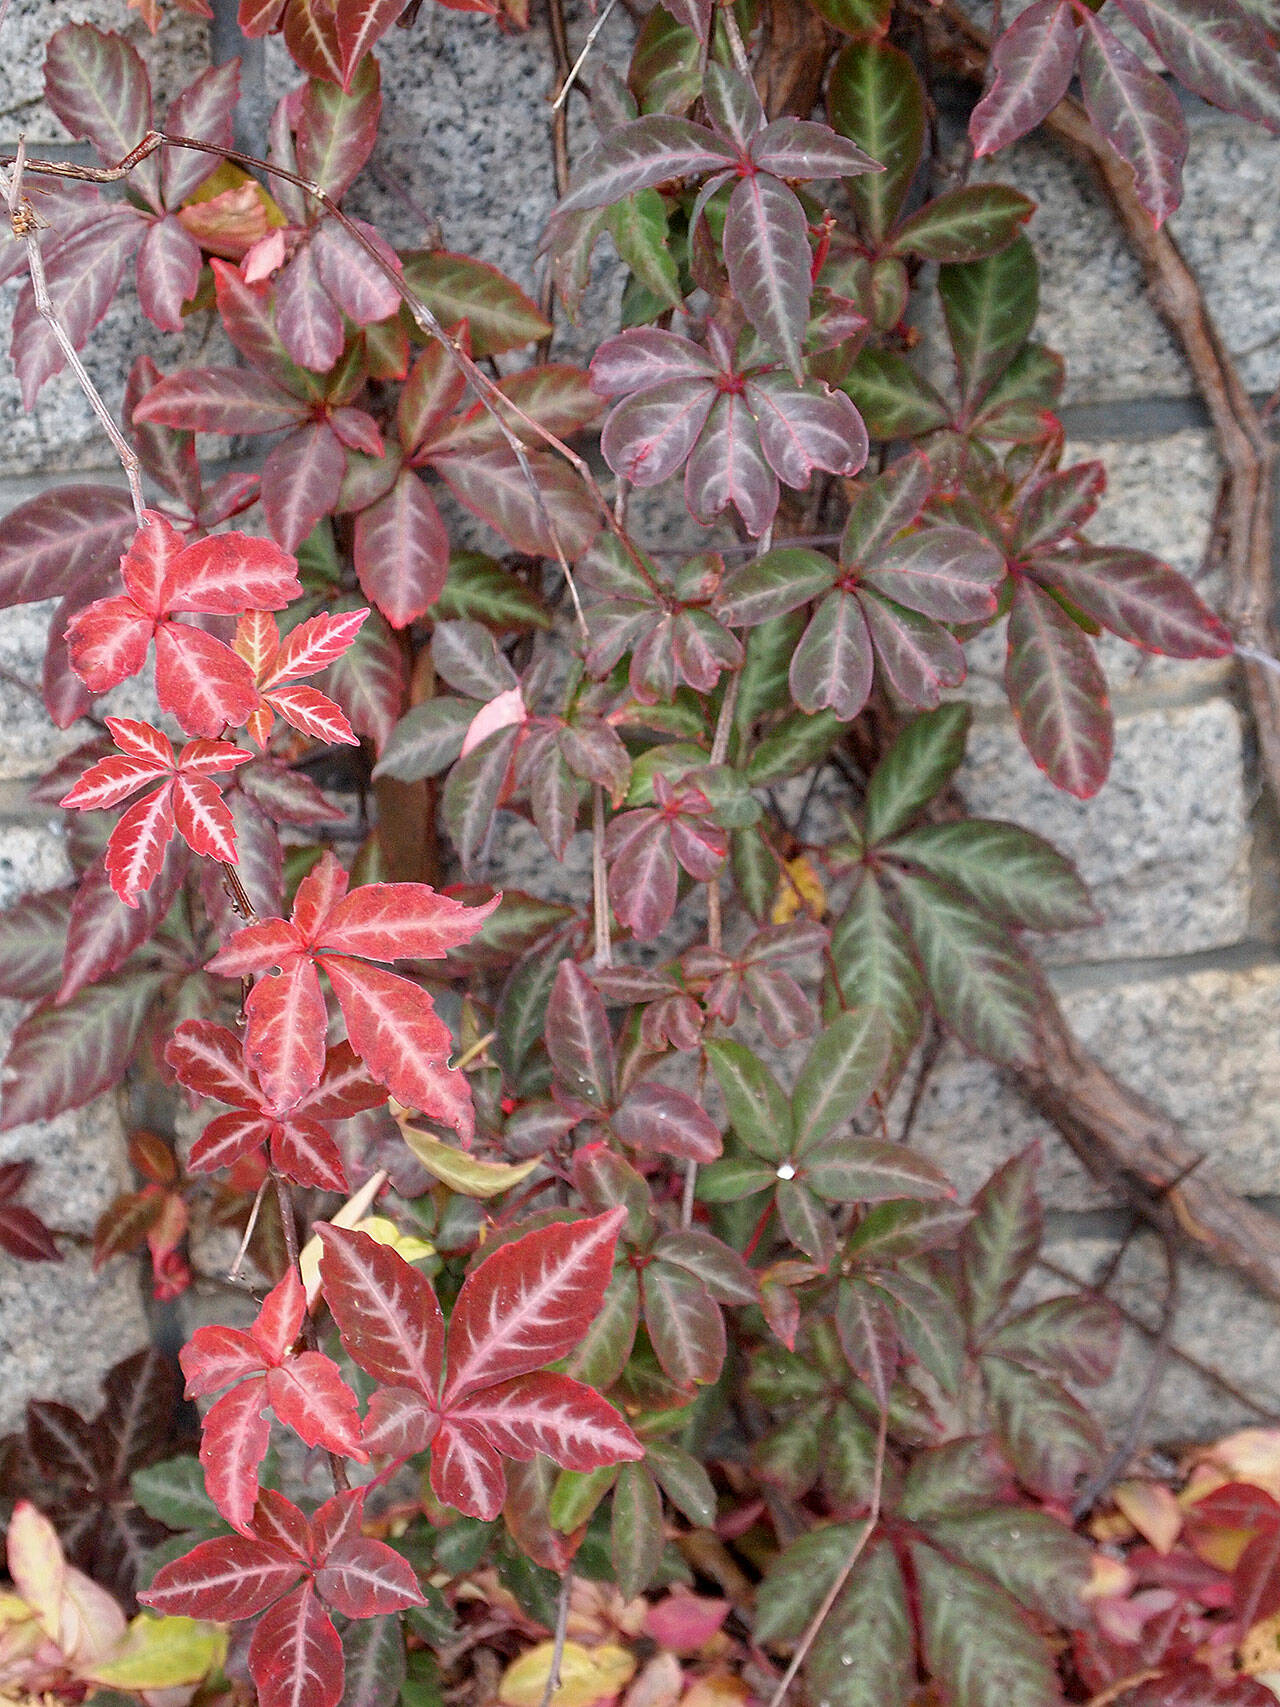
x,y
558,1637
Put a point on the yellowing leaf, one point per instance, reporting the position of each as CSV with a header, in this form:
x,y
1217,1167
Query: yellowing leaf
x,y
387,1233
721,1689
586,1675
1152,1510
163,1653
800,888
462,1173
1251,1455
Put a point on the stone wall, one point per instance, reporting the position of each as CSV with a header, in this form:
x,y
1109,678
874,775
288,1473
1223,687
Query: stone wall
x,y
1178,990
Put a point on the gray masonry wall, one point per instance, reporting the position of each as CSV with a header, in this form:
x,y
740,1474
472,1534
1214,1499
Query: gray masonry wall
x,y
1178,991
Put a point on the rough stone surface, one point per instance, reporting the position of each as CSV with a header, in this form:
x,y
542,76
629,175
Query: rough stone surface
x,y
1164,846
1203,1045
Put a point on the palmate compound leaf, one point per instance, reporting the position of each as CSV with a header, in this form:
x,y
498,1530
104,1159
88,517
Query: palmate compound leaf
x,y
865,1653
528,1304
976,1640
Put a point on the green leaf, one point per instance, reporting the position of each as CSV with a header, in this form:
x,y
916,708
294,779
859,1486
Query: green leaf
x,y
1014,407
61,1057
798,1580
918,766
792,746
469,803
635,1536
601,1354
665,74
1051,1440
173,1492
759,1111
863,1170
1005,869
457,287
1076,1339
1037,1558
463,1172
976,1641
805,1220
955,1480
990,308
773,584
638,226
895,401
928,1322
374,1661
981,983
763,683
875,97
840,1073
576,1495
876,968
1001,1241
684,1481
479,590
889,1232
791,1457
865,1654
966,224
732,1178
427,739
849,1457
856,17
522,1014
755,872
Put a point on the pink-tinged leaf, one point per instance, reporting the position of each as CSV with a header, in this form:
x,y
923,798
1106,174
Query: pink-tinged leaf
x,y
800,148
32,937
168,272
301,479
1058,693
804,429
915,654
833,664
647,356
270,942
505,710
295,1657
234,1440
313,644
648,437
362,1578
83,275
318,894
459,288
344,1089
727,466
663,1120
234,1576
308,319
394,1028
135,850
1221,53
578,1038
107,642
361,25
304,1151
247,313
61,1058
285,796
370,683
314,713
643,875
148,566
208,1058
233,572
203,819
215,1357
466,1472
227,1138
167,455
948,573
97,85
284,1043
102,934
200,681
552,1415
766,248
309,1396
529,1303
358,431
402,551
56,540
208,758
352,277
311,36
1139,598
492,485
203,110
430,394
652,150
398,1424
220,400
65,696
1033,61
110,781
336,130
394,921
1138,114
386,1311
684,1323
884,507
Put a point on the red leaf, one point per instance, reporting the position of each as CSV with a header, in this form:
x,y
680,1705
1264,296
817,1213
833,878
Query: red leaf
x,y
1138,114
101,934
394,1028
200,681
466,1472
308,319
362,1578
281,1317
168,272
402,551
58,539
220,400
1058,693
314,644
203,819
227,1138
1033,61
234,1442
83,275
398,1424
309,1396
233,1576
345,1088
304,1152
98,86
1139,598
553,1415
314,713
361,25
202,110
24,1235
529,1303
301,479
233,572
578,1037
215,1356
387,1313
390,921
284,1041
107,642
135,850
295,1657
